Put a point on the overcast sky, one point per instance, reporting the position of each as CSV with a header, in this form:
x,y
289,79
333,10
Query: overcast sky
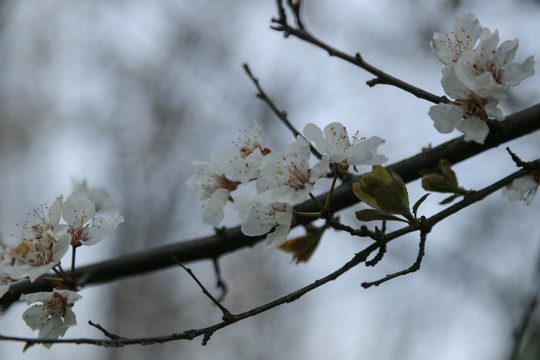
x,y
126,94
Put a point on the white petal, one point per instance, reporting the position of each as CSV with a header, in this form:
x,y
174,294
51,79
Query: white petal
x,y
446,117
313,133
213,210
515,72
36,316
365,152
102,228
259,220
474,130
55,211
78,209
278,236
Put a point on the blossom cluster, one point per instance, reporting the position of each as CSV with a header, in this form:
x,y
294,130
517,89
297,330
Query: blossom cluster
x,y
477,73
282,179
43,242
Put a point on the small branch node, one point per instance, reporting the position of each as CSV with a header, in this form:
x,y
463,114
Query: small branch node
x,y
375,81
378,257
413,268
516,158
104,331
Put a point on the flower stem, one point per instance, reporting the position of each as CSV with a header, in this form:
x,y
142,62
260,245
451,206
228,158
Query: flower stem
x,y
331,191
316,201
73,252
308,214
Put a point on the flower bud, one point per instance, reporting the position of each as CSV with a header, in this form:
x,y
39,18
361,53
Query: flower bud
x,y
442,179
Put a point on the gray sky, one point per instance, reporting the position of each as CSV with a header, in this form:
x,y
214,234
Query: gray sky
x,y
127,94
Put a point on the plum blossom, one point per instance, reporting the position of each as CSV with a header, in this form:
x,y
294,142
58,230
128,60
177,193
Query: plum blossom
x,y
260,219
54,316
35,257
101,199
449,47
85,228
244,160
213,184
44,218
468,113
288,177
477,73
43,243
523,188
335,143
495,60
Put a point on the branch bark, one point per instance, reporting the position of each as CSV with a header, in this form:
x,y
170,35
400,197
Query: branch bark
x,y
228,240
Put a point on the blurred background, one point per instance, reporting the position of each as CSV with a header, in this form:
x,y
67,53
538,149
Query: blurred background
x,y
127,94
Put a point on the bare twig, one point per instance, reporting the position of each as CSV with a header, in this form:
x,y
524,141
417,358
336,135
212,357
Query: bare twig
x,y
229,240
414,267
519,162
295,7
227,315
382,77
360,257
282,115
281,12
105,332
219,280
207,331
378,257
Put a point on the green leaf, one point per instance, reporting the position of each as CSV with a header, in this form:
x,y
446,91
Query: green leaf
x,y
449,199
362,195
417,205
372,214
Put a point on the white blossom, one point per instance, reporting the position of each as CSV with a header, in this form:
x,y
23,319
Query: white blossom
x,y
495,60
449,47
44,218
85,228
101,199
244,160
335,143
288,177
35,257
469,111
54,316
260,219
212,184
43,243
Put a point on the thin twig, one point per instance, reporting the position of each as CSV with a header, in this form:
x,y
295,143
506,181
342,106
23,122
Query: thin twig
x,y
378,257
295,7
382,77
414,267
282,115
281,12
227,315
295,295
519,162
231,239
105,332
219,280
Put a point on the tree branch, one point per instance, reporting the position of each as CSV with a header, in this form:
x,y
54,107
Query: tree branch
x,y
282,115
229,240
381,76
228,318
